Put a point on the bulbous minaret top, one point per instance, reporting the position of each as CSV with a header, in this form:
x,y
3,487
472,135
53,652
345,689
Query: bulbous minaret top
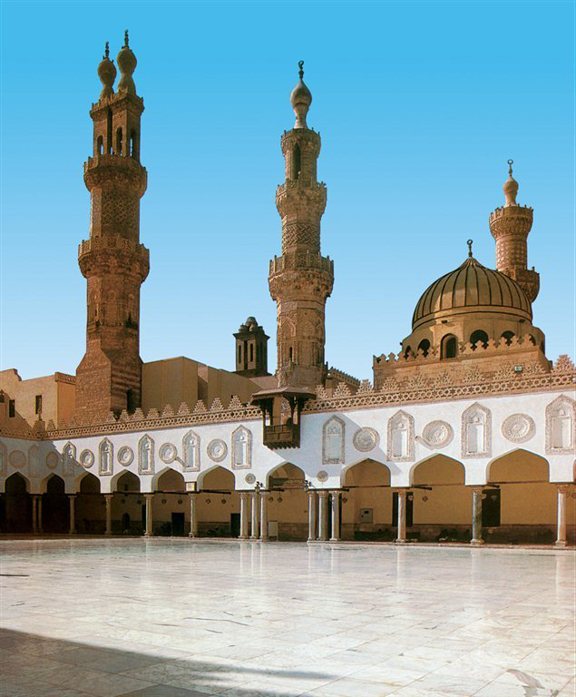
x,y
301,98
127,63
107,73
510,187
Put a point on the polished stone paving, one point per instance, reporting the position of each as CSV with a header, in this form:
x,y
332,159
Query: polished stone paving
x,y
176,618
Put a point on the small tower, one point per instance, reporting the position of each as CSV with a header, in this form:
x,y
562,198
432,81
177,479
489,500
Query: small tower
x,y
251,349
301,279
510,226
112,260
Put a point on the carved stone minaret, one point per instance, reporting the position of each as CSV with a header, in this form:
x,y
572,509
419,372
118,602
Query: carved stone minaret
x,y
112,260
510,226
301,279
251,349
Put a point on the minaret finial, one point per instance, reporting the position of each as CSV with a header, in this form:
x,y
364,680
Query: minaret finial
x,y
470,243
510,187
106,50
301,98
106,73
127,63
510,163
126,43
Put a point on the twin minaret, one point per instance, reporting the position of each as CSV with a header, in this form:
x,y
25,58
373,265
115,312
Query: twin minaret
x,y
115,264
112,260
301,279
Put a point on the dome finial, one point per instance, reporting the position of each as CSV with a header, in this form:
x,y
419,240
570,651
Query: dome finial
x,y
301,98
470,243
126,43
510,187
106,50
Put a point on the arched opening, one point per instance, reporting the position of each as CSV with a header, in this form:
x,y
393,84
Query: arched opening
x,y
424,347
134,145
519,505
295,162
100,145
441,503
287,503
109,131
507,337
131,404
55,508
18,505
128,500
90,507
169,508
407,352
218,504
118,141
367,502
449,346
478,339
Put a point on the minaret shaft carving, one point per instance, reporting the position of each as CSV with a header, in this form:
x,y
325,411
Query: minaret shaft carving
x,y
510,227
112,260
301,279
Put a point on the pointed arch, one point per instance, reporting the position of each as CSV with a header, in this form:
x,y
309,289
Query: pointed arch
x,y
106,458
17,483
146,455
367,471
191,452
242,448
124,482
88,483
476,431
437,469
216,477
518,465
561,426
333,441
285,475
401,437
168,479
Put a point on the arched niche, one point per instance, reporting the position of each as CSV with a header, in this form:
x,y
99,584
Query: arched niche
x,y
55,507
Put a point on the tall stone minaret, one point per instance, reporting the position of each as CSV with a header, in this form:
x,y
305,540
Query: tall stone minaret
x,y
301,279
510,226
112,260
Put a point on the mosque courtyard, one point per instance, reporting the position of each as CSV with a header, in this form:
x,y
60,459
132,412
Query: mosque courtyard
x,y
177,618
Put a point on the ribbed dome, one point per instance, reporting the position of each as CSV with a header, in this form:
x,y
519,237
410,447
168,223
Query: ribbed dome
x,y
471,288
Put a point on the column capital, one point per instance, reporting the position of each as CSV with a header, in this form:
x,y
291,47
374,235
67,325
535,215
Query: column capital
x,y
323,493
563,488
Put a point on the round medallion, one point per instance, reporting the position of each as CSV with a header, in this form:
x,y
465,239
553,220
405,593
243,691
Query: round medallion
x,y
217,450
52,460
322,476
17,458
518,428
437,434
125,456
250,478
87,458
168,453
365,439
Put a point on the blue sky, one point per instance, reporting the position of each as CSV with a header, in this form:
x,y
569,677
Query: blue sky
x,y
419,105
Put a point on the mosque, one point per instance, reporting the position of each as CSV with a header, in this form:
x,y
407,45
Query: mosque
x,y
466,435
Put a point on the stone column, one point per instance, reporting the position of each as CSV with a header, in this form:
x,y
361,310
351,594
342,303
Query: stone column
x,y
561,517
40,525
477,516
72,504
323,515
108,498
335,516
244,521
193,517
263,516
312,527
34,514
149,515
254,512
401,516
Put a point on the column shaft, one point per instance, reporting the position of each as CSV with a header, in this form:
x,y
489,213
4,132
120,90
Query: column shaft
x,y
323,515
193,515
34,514
254,515
263,516
477,517
72,504
561,517
108,498
401,516
149,515
312,526
335,516
244,520
40,526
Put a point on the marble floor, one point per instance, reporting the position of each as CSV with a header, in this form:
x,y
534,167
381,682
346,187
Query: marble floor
x,y
176,618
